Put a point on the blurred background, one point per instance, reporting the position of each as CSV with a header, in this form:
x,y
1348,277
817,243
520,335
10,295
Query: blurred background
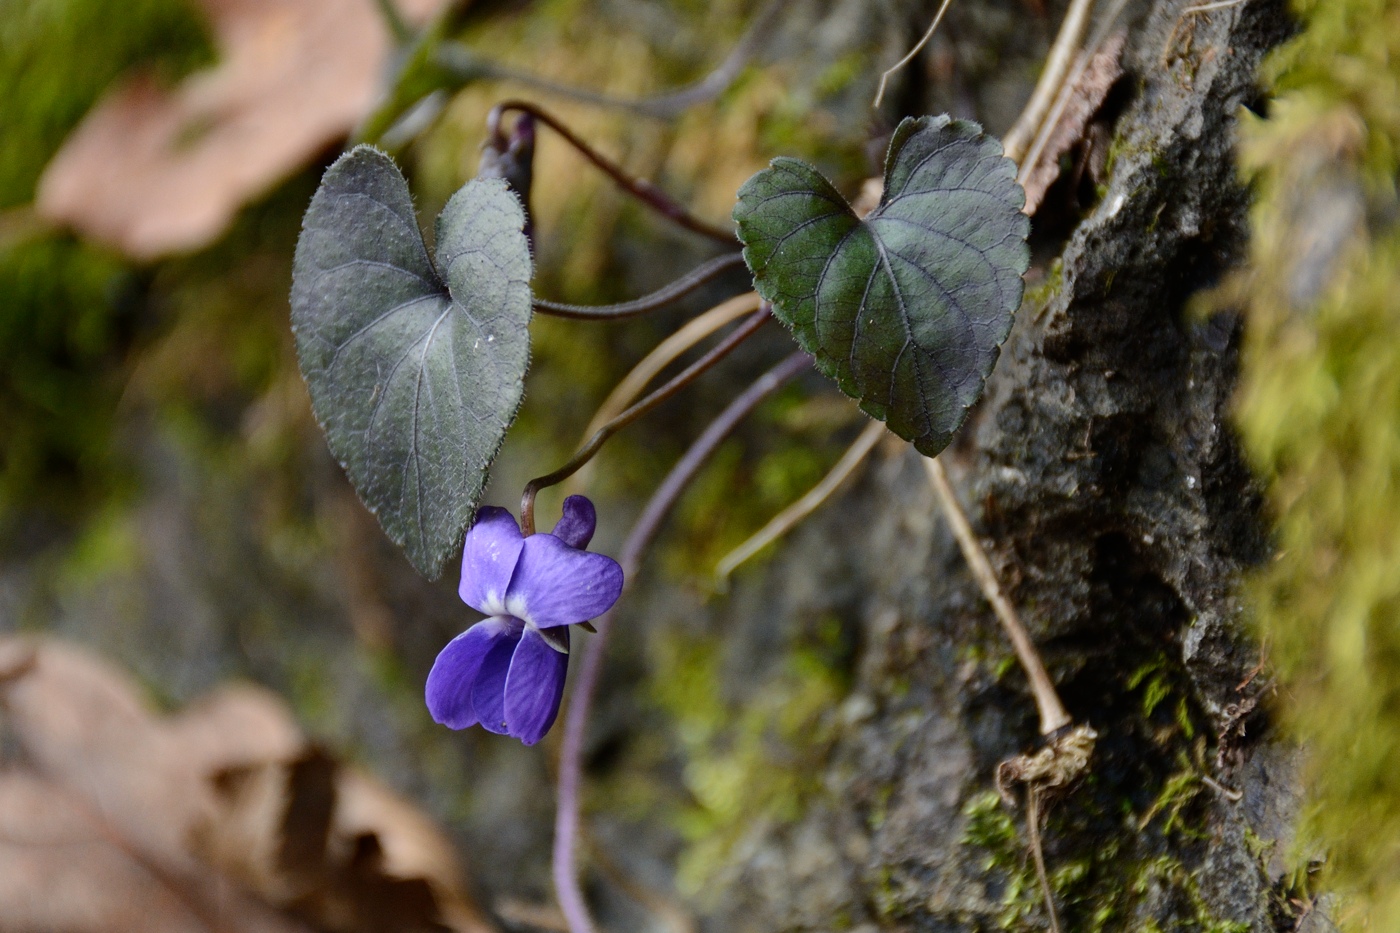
x,y
167,501
211,659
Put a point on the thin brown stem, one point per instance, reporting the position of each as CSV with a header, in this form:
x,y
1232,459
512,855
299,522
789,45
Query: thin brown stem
x,y
682,379
1053,716
662,355
706,272
1066,92
909,56
791,516
1038,853
641,189
466,66
1057,66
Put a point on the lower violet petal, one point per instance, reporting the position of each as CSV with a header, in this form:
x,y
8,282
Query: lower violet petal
x,y
449,689
534,687
489,689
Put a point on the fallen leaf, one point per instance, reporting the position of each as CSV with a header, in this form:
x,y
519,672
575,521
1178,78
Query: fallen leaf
x,y
154,171
83,726
333,845
226,803
60,870
1084,100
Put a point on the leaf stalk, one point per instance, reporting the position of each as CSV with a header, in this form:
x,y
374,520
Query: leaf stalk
x,y
639,188
700,275
600,437
1053,716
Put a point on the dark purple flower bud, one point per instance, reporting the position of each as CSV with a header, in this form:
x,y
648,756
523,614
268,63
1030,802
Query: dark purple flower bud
x,y
512,158
507,672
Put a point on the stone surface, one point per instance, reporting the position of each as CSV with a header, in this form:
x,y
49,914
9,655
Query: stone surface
x,y
1104,477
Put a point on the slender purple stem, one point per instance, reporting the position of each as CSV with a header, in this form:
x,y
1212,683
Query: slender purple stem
x,y
660,298
684,378
641,189
566,820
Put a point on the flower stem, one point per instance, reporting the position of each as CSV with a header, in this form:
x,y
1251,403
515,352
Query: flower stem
x,y
1053,716
639,188
680,381
658,299
662,355
566,820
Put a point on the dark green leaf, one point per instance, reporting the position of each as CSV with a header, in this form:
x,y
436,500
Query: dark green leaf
x,y
906,309
415,380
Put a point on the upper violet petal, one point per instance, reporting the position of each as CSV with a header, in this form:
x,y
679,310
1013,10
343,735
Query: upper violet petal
x,y
489,689
488,560
449,689
534,686
555,584
576,525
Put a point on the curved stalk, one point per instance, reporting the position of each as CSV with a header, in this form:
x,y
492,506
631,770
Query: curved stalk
x,y
1053,716
1057,66
641,189
595,443
664,354
789,517
465,66
660,298
566,820
909,56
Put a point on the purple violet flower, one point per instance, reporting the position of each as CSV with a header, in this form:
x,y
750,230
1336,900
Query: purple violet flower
x,y
507,671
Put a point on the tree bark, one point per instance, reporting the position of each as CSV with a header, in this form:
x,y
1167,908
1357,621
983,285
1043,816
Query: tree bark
x,y
1104,478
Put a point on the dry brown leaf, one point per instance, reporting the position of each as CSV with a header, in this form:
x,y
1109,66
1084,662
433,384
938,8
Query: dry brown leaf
x,y
83,725
229,791
85,728
333,845
155,171
60,870
1085,99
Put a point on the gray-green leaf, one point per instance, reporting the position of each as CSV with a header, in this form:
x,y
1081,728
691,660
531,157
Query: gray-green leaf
x,y
414,379
906,309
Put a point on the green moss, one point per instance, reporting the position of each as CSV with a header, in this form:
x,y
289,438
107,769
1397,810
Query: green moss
x,y
1319,405
1127,843
57,56
66,310
745,768
1038,296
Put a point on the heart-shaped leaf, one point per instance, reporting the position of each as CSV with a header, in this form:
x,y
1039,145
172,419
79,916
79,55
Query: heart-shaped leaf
x,y
414,379
906,309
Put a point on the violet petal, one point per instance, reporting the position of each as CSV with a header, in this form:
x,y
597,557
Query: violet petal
x,y
489,689
534,686
449,689
488,560
575,527
555,584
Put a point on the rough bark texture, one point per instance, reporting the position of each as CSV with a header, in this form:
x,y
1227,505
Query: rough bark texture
x,y
1106,482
